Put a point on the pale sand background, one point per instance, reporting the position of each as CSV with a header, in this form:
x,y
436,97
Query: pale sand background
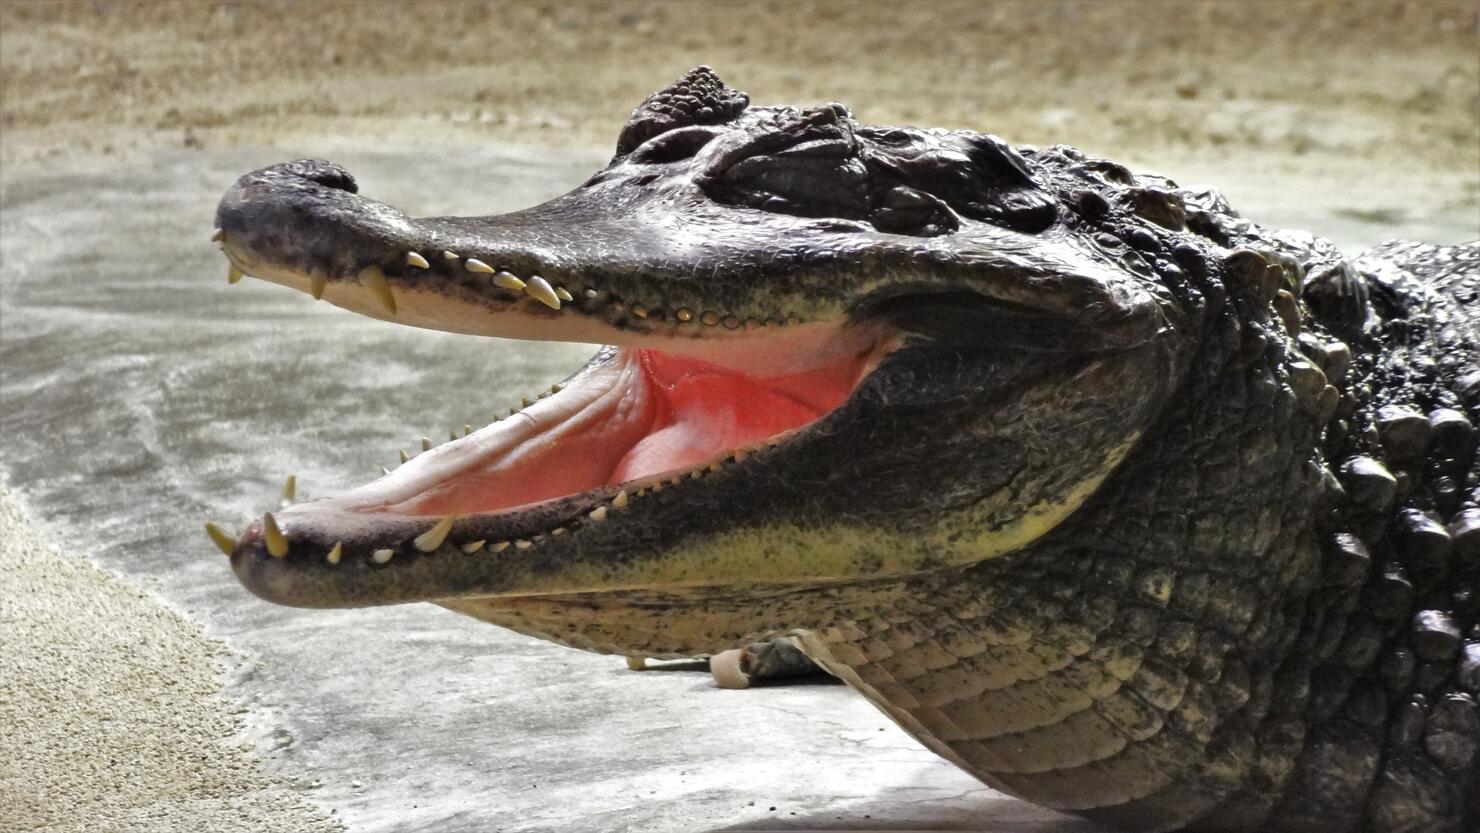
x,y
107,698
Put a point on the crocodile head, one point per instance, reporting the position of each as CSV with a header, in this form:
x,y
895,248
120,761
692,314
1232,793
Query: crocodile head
x,y
832,354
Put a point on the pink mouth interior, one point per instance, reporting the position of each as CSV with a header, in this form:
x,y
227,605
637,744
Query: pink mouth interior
x,y
646,413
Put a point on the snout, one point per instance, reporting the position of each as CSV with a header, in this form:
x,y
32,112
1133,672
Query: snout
x,y
307,216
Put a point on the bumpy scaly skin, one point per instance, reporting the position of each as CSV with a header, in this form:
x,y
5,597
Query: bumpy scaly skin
x,y
1241,631
1266,618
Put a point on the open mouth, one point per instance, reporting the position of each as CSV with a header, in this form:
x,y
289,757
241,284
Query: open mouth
x,y
635,420
681,392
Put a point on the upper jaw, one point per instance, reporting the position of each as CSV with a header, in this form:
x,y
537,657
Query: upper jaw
x,y
631,262
581,268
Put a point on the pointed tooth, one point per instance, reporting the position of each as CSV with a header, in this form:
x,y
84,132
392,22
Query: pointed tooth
x,y
335,553
374,280
382,556
290,488
500,546
563,294
430,540
218,235
467,429
559,530
620,501
599,513
426,443
317,283
415,259
223,541
523,544
277,545
404,456
451,435
446,255
475,265
473,546
384,471
540,290
233,274
508,281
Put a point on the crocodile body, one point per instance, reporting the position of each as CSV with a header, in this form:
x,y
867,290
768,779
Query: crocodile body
x,y
1136,510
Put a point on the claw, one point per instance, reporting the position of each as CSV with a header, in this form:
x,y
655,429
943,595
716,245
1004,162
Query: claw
x,y
727,670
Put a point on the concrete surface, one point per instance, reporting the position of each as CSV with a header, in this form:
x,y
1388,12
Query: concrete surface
x,y
142,396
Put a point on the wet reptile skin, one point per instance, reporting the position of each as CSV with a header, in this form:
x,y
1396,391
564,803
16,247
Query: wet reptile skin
x,y
1264,620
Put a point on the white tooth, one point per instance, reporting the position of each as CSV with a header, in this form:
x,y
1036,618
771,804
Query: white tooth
x,y
476,265
620,501
426,444
473,546
317,283
430,540
233,274
599,513
226,543
334,554
290,489
218,235
380,289
382,556
563,294
523,544
415,259
498,547
277,543
404,456
508,281
384,471
540,290
449,255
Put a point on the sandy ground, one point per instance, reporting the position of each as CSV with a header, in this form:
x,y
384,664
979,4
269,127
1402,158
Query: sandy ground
x,y
110,708
109,698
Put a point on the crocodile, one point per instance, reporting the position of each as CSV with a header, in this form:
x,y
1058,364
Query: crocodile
x,y
1125,505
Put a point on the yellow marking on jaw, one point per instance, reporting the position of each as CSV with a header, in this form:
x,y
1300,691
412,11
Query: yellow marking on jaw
x,y
835,552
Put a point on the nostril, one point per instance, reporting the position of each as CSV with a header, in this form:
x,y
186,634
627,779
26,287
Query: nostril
x,y
322,172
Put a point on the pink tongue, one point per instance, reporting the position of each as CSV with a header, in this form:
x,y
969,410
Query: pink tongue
x,y
675,413
704,409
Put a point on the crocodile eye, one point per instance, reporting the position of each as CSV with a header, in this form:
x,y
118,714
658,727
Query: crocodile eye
x,y
673,146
